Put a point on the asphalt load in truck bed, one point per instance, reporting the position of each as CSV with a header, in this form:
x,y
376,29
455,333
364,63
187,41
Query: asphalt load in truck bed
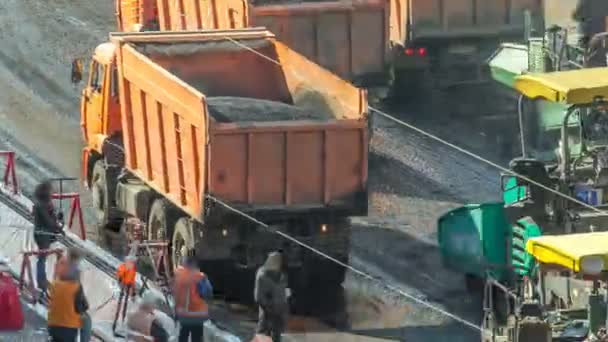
x,y
242,109
413,180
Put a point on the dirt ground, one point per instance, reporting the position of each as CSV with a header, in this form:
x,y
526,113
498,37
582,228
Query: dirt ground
x,y
413,180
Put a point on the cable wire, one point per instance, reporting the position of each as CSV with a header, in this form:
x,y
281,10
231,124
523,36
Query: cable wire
x,y
347,266
447,143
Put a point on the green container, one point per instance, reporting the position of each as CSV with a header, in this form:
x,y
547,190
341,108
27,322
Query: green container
x,y
473,240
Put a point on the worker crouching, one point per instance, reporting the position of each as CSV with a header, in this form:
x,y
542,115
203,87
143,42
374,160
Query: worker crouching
x,y
67,305
191,290
143,326
271,294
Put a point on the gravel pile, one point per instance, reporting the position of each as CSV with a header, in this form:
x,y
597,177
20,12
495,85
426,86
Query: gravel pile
x,y
242,109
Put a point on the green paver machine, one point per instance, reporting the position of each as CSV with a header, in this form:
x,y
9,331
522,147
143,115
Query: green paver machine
x,y
487,242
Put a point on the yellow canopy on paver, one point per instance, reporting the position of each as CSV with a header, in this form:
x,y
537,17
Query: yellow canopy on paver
x,y
573,87
571,251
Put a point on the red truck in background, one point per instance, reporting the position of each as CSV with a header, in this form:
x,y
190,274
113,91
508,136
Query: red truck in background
x,y
175,121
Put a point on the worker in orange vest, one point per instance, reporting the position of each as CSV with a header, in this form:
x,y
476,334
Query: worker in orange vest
x,y
191,290
67,304
67,267
126,274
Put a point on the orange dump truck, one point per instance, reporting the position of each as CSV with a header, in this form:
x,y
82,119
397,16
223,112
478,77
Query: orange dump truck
x,y
180,124
349,38
413,44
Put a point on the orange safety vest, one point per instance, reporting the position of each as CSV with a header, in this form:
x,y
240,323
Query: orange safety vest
x,y
61,312
126,273
139,325
188,303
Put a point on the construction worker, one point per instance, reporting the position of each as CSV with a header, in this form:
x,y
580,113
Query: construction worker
x,y
68,267
46,228
67,303
191,290
271,294
142,325
127,275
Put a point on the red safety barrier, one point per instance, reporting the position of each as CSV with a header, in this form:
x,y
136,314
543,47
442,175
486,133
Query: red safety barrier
x,y
10,175
158,252
26,276
75,209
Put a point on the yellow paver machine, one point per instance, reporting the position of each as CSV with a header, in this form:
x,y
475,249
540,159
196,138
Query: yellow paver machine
x,y
580,263
505,246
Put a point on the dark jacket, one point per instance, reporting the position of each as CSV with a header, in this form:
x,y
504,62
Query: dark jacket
x,y
158,332
45,224
270,286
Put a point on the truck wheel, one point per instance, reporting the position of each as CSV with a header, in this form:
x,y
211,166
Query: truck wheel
x,y
99,190
161,220
182,242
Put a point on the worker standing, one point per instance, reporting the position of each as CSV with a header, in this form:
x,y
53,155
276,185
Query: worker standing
x,y
67,303
191,290
126,274
46,227
142,325
68,267
271,294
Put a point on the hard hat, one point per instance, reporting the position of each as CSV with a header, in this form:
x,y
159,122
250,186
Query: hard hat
x,y
130,257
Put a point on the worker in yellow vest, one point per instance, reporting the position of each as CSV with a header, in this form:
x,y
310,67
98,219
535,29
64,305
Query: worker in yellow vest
x,y
67,304
191,290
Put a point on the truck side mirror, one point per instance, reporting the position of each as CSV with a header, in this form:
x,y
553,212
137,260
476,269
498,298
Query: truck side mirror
x,y
76,70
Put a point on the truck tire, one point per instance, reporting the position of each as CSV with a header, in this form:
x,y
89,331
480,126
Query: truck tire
x,y
182,241
161,220
103,190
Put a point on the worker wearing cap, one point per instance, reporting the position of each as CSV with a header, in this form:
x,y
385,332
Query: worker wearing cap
x,y
191,289
142,325
67,304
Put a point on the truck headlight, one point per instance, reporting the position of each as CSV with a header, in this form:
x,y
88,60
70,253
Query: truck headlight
x,y
592,264
323,228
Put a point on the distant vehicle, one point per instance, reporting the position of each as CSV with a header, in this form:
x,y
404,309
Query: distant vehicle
x,y
174,122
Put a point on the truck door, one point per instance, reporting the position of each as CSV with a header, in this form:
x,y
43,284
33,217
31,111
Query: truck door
x,y
93,101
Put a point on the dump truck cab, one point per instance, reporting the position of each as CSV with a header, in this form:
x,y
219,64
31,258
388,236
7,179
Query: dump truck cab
x,y
564,301
100,118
